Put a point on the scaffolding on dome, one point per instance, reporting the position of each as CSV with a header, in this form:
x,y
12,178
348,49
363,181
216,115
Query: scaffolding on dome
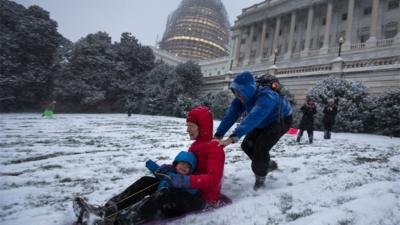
x,y
198,30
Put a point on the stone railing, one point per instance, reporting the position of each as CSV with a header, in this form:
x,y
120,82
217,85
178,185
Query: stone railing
x,y
333,50
305,69
357,46
259,5
384,43
371,62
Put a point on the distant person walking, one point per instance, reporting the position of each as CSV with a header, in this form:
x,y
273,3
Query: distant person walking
x,y
330,111
307,121
49,110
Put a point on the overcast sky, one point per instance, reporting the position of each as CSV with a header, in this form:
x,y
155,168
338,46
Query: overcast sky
x,y
145,19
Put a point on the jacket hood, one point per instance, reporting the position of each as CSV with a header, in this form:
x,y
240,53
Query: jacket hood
x,y
202,117
245,84
187,157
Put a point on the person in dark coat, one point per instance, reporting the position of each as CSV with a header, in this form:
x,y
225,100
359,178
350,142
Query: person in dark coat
x,y
307,121
328,120
269,118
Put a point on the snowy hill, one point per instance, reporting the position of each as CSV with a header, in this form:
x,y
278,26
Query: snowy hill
x,y
44,163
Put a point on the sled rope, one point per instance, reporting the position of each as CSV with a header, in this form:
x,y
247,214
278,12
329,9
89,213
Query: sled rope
x,y
124,199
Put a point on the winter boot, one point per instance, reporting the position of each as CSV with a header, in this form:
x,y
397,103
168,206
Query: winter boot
x,y
110,212
310,140
86,212
329,134
272,165
260,182
298,139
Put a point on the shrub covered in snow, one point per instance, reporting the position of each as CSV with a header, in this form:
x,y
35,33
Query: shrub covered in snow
x,y
217,102
385,113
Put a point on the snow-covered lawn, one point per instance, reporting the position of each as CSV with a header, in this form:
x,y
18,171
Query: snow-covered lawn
x,y
44,163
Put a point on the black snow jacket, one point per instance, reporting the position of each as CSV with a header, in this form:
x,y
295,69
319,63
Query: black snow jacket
x,y
329,115
307,121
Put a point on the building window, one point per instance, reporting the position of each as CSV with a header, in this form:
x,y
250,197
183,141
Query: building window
x,y
344,16
323,21
254,38
394,4
295,28
243,41
280,32
364,38
367,11
302,45
391,30
364,34
266,35
321,42
252,54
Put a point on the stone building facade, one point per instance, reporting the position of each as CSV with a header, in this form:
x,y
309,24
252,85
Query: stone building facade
x,y
303,41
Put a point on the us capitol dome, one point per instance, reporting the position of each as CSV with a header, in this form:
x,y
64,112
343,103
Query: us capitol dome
x,y
197,30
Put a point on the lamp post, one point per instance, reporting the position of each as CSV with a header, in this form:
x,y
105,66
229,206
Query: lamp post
x,y
275,54
341,40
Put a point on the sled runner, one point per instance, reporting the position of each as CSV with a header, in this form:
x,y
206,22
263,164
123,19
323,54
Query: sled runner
x,y
224,200
88,214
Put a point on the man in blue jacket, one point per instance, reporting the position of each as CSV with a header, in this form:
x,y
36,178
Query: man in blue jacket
x,y
269,117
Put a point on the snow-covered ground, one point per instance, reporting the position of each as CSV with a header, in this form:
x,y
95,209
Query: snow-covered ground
x,y
44,163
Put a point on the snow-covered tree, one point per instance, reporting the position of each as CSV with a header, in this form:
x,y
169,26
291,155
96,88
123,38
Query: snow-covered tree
x,y
190,78
217,102
28,45
385,113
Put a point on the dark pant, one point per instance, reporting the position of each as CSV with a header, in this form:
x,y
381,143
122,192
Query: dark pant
x,y
310,134
134,193
166,203
259,142
327,130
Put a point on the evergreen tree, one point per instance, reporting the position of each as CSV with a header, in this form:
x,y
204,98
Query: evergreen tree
x,y
385,116
87,77
217,102
28,43
190,78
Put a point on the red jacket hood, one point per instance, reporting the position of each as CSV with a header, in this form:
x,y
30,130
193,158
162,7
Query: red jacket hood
x,y
203,118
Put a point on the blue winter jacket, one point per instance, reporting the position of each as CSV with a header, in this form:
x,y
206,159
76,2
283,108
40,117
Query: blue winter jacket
x,y
263,105
183,156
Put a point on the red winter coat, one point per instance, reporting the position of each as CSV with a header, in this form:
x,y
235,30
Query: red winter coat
x,y
210,158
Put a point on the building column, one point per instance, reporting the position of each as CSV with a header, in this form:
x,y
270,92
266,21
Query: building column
x,y
325,47
291,33
238,44
249,44
349,31
308,32
260,51
371,42
276,36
